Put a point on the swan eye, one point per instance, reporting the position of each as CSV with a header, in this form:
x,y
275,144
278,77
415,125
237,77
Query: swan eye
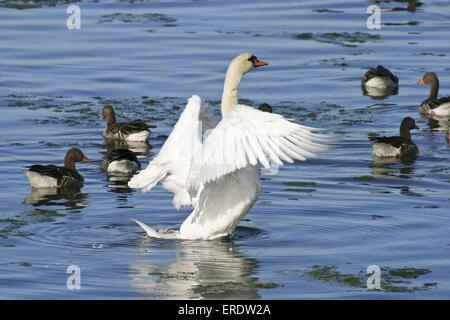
x,y
253,59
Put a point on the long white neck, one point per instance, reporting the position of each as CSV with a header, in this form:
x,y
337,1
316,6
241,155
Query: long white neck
x,y
230,89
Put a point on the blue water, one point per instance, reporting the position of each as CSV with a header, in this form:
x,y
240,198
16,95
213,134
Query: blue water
x,y
316,226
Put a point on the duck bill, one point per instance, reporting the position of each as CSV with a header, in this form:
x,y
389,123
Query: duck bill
x,y
416,127
420,81
260,63
86,159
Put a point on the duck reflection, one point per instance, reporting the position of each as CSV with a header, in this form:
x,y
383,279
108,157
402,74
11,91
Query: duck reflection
x,y
120,165
119,184
71,198
213,269
436,124
379,93
139,148
401,168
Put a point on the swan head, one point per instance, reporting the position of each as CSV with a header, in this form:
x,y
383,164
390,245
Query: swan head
x,y
246,62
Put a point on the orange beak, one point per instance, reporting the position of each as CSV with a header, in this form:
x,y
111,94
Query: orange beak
x,y
260,63
86,159
420,81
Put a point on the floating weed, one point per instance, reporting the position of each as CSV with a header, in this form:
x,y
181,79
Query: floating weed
x,y
363,178
346,39
299,183
31,4
406,272
266,285
303,36
409,193
331,275
50,144
392,279
9,226
20,103
430,54
409,23
327,11
140,18
45,213
300,190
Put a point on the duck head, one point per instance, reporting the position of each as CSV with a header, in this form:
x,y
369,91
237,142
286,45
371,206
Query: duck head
x,y
108,114
74,155
406,126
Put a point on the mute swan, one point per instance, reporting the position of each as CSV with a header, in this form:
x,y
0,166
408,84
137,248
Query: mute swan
x,y
398,146
218,177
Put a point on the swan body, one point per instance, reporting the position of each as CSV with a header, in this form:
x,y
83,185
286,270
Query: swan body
x,y
216,173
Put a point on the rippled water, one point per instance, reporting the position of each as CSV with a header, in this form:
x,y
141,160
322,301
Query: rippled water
x,y
317,225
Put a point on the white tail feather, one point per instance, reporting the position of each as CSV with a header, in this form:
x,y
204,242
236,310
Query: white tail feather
x,y
150,231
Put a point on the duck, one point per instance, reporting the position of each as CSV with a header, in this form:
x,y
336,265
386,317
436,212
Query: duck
x,y
379,78
397,146
265,107
122,161
433,105
51,176
217,175
133,131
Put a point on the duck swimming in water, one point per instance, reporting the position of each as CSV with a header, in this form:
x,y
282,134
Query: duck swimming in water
x,y
51,176
265,107
136,131
433,105
397,146
122,161
379,82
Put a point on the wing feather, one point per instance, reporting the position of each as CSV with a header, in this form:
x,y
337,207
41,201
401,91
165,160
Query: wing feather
x,y
247,136
172,164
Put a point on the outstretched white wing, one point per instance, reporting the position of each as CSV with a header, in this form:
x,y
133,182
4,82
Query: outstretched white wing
x,y
246,136
171,166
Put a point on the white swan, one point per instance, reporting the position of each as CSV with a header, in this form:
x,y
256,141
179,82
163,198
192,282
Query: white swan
x,y
218,176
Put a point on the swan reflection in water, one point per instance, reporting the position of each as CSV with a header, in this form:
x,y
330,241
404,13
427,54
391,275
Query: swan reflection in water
x,y
214,269
72,198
